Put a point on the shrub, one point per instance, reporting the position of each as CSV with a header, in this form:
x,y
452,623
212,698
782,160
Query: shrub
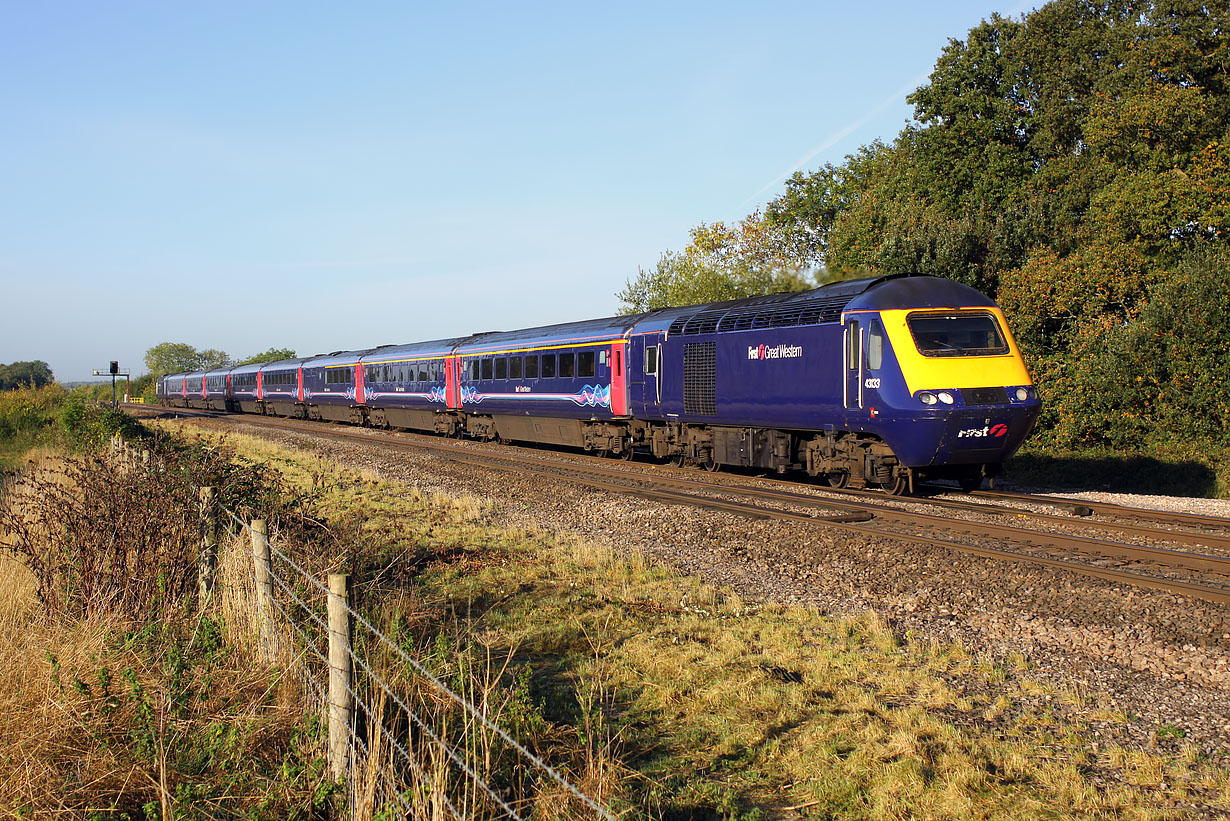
x,y
1160,377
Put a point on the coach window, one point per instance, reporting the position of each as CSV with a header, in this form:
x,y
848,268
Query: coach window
x,y
514,367
423,377
531,367
585,364
501,368
486,369
567,366
548,366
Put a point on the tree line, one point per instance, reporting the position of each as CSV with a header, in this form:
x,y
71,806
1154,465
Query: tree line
x,y
1074,164
178,357
36,373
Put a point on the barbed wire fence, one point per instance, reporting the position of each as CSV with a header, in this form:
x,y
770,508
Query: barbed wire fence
x,y
405,743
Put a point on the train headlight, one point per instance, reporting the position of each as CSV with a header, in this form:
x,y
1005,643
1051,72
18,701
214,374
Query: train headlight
x,y
946,397
1022,394
927,398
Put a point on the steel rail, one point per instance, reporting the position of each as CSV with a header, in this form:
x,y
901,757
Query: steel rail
x,y
1112,509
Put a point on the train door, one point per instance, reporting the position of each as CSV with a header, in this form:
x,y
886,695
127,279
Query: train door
x,y
646,392
359,397
852,347
619,379
452,378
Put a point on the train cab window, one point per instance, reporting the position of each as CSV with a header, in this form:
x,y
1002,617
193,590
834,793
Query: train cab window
x,y
548,365
651,360
956,334
875,346
501,368
567,366
531,367
585,364
514,367
487,369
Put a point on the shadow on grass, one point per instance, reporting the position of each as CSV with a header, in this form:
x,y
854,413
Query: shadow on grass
x,y
1118,474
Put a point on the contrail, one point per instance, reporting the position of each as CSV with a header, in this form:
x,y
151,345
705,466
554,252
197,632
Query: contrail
x,y
838,136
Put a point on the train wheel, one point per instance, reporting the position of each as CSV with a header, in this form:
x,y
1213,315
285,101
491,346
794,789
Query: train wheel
x,y
677,461
711,466
970,482
837,480
627,454
897,487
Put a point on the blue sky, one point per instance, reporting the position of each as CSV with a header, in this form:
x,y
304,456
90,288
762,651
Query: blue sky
x,y
307,175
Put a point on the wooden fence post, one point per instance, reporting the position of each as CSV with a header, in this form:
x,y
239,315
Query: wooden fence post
x,y
264,586
341,706
207,561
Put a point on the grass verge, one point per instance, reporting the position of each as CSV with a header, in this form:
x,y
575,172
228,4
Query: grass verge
x,y
676,700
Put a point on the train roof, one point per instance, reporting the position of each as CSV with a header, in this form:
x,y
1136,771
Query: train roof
x,y
591,330
924,292
283,364
412,350
337,358
819,305
823,304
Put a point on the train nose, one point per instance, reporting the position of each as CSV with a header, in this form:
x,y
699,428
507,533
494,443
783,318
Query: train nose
x,y
986,434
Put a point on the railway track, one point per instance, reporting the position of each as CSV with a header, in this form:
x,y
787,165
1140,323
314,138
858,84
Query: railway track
x,y
1175,562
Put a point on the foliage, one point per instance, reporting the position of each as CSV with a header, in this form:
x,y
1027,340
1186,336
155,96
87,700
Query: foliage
x,y
119,710
271,355
100,534
87,426
24,414
34,374
1164,371
722,262
177,357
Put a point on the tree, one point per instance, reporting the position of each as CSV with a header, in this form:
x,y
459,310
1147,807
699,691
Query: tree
x,y
36,373
271,355
721,262
172,357
178,357
211,359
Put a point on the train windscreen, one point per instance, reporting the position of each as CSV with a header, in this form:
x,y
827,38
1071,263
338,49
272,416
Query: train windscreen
x,y
957,334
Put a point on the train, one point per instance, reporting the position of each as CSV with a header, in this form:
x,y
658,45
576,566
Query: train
x,y
872,383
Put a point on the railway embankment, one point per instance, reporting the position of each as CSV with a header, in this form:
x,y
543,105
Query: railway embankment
x,y
734,666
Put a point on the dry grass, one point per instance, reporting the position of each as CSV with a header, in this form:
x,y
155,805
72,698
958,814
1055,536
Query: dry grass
x,y
135,711
671,698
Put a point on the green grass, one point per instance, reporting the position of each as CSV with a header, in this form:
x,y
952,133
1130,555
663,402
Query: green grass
x,y
699,704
